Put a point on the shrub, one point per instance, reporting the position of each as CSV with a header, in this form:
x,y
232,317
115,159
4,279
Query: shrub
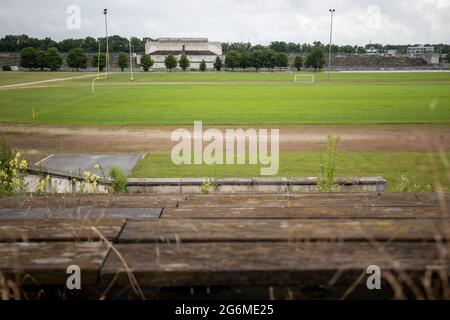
x,y
326,181
146,62
120,179
123,61
12,170
170,62
298,62
218,64
6,68
184,62
203,65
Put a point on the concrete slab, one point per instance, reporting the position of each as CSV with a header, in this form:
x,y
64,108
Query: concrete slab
x,y
78,163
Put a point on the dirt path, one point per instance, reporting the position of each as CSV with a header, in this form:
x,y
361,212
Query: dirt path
x,y
40,141
27,84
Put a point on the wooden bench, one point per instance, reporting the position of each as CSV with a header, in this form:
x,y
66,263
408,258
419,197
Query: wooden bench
x,y
230,246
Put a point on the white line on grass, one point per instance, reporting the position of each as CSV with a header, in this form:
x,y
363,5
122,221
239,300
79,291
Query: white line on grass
x,y
25,84
39,162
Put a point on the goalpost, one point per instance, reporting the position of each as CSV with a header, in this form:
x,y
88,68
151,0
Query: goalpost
x,y
304,78
99,75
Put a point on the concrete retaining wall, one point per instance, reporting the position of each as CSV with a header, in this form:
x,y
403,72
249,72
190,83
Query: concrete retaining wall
x,y
251,185
61,182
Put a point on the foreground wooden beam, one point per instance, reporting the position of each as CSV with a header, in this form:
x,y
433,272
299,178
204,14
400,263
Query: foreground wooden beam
x,y
208,264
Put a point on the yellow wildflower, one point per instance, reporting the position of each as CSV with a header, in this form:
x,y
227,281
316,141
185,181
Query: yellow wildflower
x,y
23,164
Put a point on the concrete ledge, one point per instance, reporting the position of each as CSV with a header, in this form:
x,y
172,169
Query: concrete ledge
x,y
252,185
63,182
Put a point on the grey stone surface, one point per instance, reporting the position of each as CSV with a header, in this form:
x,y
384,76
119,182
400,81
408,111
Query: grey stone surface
x,y
78,163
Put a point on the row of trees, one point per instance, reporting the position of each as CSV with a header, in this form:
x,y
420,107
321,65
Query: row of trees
x,y
265,58
171,62
31,58
290,47
14,43
269,59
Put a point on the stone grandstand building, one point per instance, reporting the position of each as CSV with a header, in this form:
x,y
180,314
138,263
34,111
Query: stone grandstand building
x,y
196,49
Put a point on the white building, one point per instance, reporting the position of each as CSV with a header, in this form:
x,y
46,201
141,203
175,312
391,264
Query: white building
x,y
420,50
196,49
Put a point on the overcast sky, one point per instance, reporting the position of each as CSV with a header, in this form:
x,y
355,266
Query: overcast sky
x,y
260,21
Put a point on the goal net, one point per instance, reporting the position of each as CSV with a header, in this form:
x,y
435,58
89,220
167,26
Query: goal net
x,y
304,78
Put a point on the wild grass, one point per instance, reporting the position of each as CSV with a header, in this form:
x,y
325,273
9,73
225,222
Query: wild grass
x,y
416,166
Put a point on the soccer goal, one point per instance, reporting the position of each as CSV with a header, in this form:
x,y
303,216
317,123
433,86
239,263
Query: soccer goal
x,y
304,78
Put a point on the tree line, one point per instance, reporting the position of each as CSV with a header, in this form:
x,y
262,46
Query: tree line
x,y
171,62
269,59
15,43
37,59
297,48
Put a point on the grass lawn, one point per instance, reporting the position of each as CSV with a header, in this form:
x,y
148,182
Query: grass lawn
x,y
416,167
349,99
343,77
13,77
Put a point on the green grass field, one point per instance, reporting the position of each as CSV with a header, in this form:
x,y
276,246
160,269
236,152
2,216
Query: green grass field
x,y
241,99
229,99
7,78
416,167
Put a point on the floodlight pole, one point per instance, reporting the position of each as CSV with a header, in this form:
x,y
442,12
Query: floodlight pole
x,y
131,64
108,70
331,37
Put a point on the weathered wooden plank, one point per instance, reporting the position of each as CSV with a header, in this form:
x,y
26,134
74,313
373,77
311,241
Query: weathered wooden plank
x,y
46,263
79,213
196,264
317,200
92,200
291,230
305,213
59,229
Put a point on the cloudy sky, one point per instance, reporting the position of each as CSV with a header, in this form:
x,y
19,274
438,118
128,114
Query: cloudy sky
x,y
260,21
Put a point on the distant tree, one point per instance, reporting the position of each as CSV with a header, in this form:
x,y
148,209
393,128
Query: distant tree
x,y
184,62
68,44
123,61
298,62
203,65
218,64
54,59
41,60
28,58
448,56
95,61
269,58
281,59
146,62
257,59
77,58
232,59
170,62
315,59
90,44
138,45
279,46
245,61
